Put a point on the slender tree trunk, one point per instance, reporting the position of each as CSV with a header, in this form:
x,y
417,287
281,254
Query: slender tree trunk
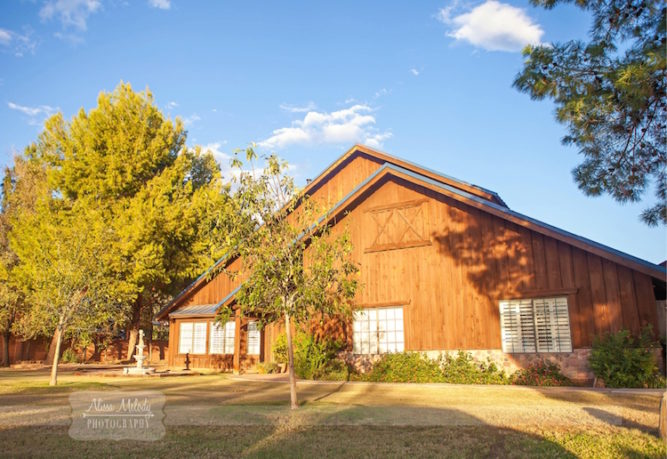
x,y
134,328
56,357
5,348
52,348
294,404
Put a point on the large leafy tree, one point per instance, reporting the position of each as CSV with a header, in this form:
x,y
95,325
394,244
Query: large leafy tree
x,y
11,296
64,263
610,93
127,166
294,266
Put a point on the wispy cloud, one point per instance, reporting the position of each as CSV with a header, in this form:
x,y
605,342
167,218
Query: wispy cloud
x,y
299,108
215,149
171,105
18,43
350,125
161,4
190,120
5,37
493,26
414,71
36,115
382,92
70,13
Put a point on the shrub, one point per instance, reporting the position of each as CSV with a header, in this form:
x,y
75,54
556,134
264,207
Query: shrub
x,y
69,356
312,358
541,373
280,349
464,369
334,370
622,360
405,367
265,368
416,367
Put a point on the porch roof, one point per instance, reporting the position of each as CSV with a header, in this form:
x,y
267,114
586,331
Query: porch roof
x,y
195,310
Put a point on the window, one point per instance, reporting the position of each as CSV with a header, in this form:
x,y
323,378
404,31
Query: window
x,y
222,338
253,338
192,338
378,330
535,325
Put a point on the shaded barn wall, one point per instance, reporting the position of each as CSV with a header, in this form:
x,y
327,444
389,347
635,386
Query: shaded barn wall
x,y
456,263
449,265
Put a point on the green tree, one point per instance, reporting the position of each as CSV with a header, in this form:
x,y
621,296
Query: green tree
x,y
294,265
610,93
164,202
11,297
64,263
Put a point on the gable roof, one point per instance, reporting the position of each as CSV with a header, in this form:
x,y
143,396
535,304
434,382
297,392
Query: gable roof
x,y
384,158
466,197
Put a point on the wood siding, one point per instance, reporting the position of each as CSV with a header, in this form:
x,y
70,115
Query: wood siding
x,y
449,265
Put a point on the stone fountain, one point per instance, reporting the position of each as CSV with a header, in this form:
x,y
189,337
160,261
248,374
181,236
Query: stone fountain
x,y
139,357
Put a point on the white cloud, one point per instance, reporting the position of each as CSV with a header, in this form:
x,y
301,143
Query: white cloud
x,y
190,120
70,13
414,71
5,37
493,26
382,92
349,125
36,115
33,111
172,105
18,43
214,147
298,108
161,4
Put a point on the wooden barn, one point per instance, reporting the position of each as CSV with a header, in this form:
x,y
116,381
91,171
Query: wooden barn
x,y
445,265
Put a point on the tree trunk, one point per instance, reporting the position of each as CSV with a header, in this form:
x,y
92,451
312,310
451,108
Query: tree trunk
x,y
134,328
56,358
52,348
5,349
294,404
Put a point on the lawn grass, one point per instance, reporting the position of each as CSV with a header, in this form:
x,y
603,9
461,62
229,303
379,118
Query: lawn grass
x,y
219,416
342,441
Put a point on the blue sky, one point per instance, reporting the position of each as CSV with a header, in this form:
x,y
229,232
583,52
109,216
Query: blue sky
x,y
428,81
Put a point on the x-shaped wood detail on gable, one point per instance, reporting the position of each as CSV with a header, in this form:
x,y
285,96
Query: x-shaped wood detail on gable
x,y
407,220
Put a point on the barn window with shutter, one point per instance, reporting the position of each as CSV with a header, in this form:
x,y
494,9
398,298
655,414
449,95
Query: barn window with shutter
x,y
535,325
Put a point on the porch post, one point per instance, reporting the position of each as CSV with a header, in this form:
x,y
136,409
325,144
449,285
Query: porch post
x,y
237,342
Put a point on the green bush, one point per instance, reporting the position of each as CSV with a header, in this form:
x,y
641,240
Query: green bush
x,y
265,368
464,369
416,367
69,356
541,373
280,349
405,367
622,360
313,359
334,370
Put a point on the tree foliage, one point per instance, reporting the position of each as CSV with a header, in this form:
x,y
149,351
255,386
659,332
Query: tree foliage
x,y
11,296
610,93
116,192
294,265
